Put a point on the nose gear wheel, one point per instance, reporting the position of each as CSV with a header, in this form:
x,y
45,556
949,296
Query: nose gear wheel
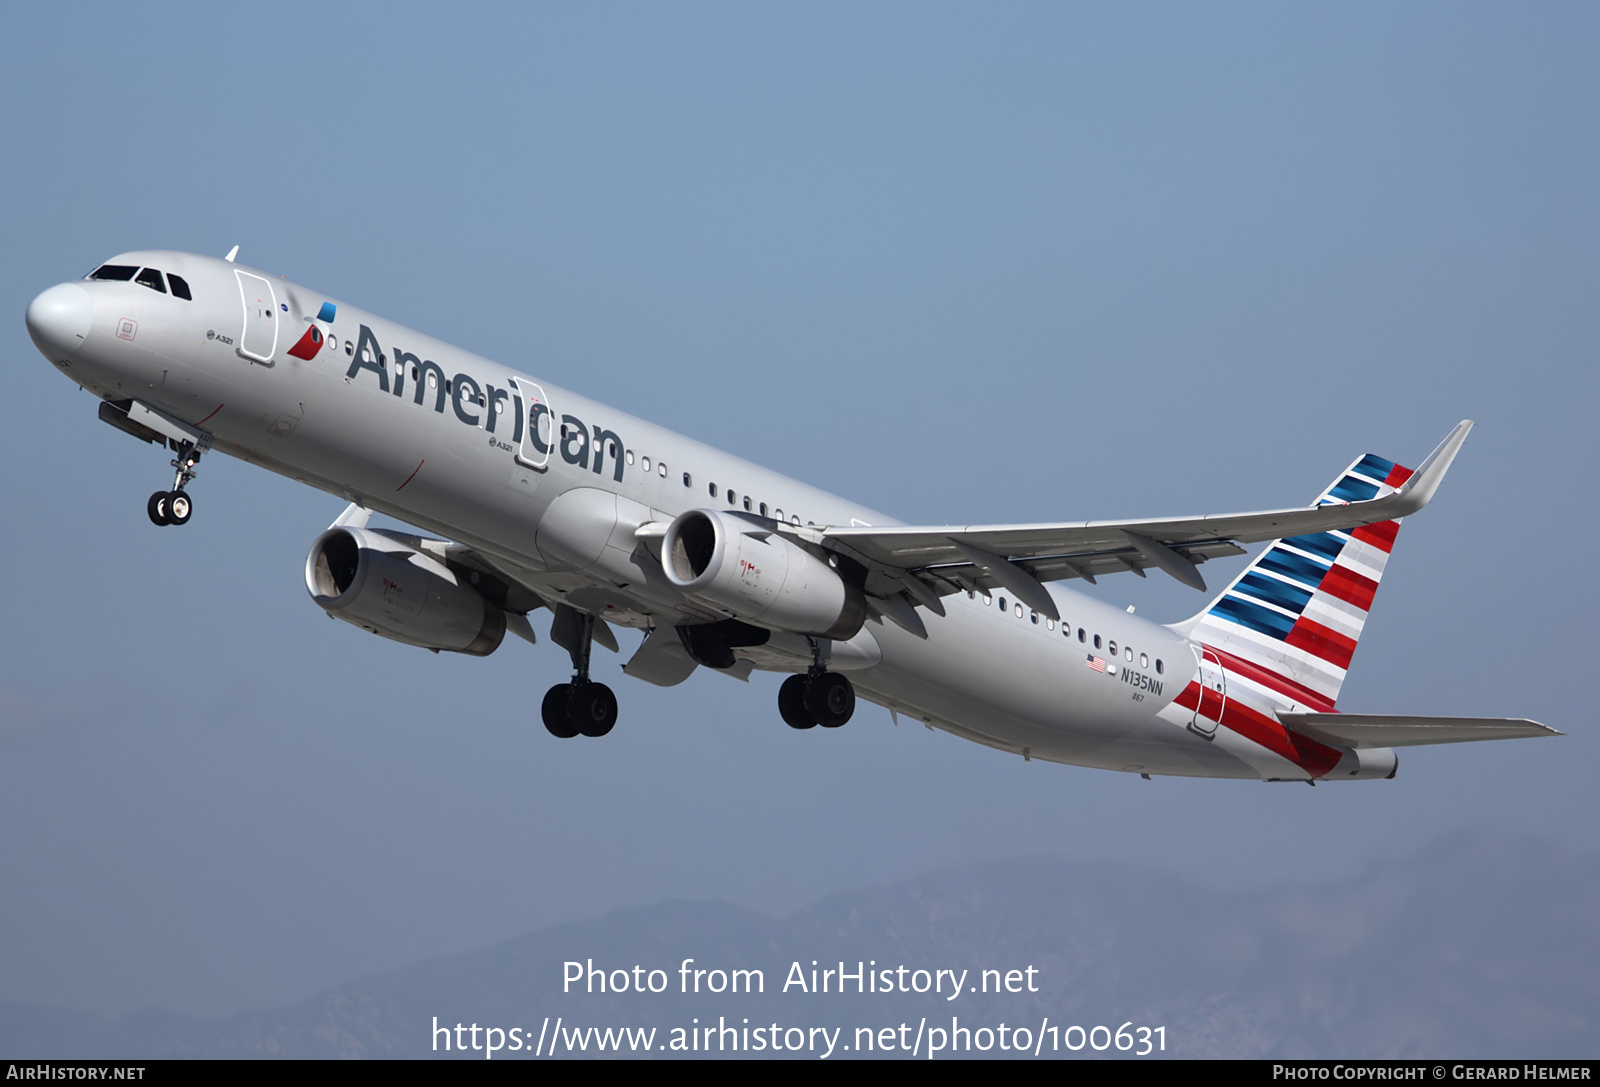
x,y
174,507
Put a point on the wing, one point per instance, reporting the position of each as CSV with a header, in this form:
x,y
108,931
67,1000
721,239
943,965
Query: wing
x,y
925,562
520,591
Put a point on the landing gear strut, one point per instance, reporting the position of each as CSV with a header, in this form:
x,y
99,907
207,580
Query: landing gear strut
x,y
174,507
582,707
818,697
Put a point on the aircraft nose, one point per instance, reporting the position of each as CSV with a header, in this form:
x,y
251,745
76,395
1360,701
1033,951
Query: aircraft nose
x,y
59,320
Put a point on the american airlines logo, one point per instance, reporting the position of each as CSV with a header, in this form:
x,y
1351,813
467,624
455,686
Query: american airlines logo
x,y
475,404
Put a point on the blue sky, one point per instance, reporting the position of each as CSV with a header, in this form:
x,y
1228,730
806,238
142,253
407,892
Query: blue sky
x,y
962,263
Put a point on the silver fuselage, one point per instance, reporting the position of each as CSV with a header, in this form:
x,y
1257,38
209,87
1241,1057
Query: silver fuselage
x,y
368,417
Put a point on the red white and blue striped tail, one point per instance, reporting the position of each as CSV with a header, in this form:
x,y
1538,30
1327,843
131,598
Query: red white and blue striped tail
x,y
1291,621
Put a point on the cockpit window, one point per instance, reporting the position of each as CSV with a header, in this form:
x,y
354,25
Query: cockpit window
x,y
152,279
118,272
180,287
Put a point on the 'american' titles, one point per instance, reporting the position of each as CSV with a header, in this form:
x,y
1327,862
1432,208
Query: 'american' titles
x,y
467,398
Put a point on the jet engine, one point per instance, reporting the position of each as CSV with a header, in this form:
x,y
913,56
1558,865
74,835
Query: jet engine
x,y
748,570
387,587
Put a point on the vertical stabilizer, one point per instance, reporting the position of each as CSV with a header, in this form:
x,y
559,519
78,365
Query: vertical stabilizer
x,y
1290,622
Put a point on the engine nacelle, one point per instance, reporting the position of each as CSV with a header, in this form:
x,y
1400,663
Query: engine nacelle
x,y
759,575
1365,764
388,588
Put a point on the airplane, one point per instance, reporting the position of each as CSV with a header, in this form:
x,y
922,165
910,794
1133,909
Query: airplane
x,y
529,496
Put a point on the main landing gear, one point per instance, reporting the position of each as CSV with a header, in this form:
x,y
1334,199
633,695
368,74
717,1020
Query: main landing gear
x,y
174,507
582,707
818,697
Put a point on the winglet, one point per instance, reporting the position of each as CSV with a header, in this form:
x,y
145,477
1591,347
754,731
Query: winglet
x,y
1417,491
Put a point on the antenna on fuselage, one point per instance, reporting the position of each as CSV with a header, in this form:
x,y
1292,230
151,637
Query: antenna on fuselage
x,y
234,252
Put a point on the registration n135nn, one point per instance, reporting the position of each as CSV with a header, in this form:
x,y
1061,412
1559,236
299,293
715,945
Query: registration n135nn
x,y
529,496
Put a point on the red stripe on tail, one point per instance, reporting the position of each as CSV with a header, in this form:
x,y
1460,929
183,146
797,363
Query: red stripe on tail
x,y
1319,641
1349,586
1380,535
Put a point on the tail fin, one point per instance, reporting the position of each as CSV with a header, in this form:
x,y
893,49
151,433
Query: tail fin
x,y
1291,621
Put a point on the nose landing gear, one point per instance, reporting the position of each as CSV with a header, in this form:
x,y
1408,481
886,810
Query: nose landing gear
x,y
174,507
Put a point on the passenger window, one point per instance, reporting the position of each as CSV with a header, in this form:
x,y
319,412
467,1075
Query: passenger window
x,y
1049,624
686,480
1002,603
1033,617
1112,647
1127,653
661,470
644,462
795,519
763,509
180,287
1082,634
746,502
1160,668
350,349
777,514
152,279
1097,641
1016,610
1144,660
733,499
987,600
630,456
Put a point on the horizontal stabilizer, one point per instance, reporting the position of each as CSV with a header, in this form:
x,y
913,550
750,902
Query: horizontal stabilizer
x,y
1360,730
